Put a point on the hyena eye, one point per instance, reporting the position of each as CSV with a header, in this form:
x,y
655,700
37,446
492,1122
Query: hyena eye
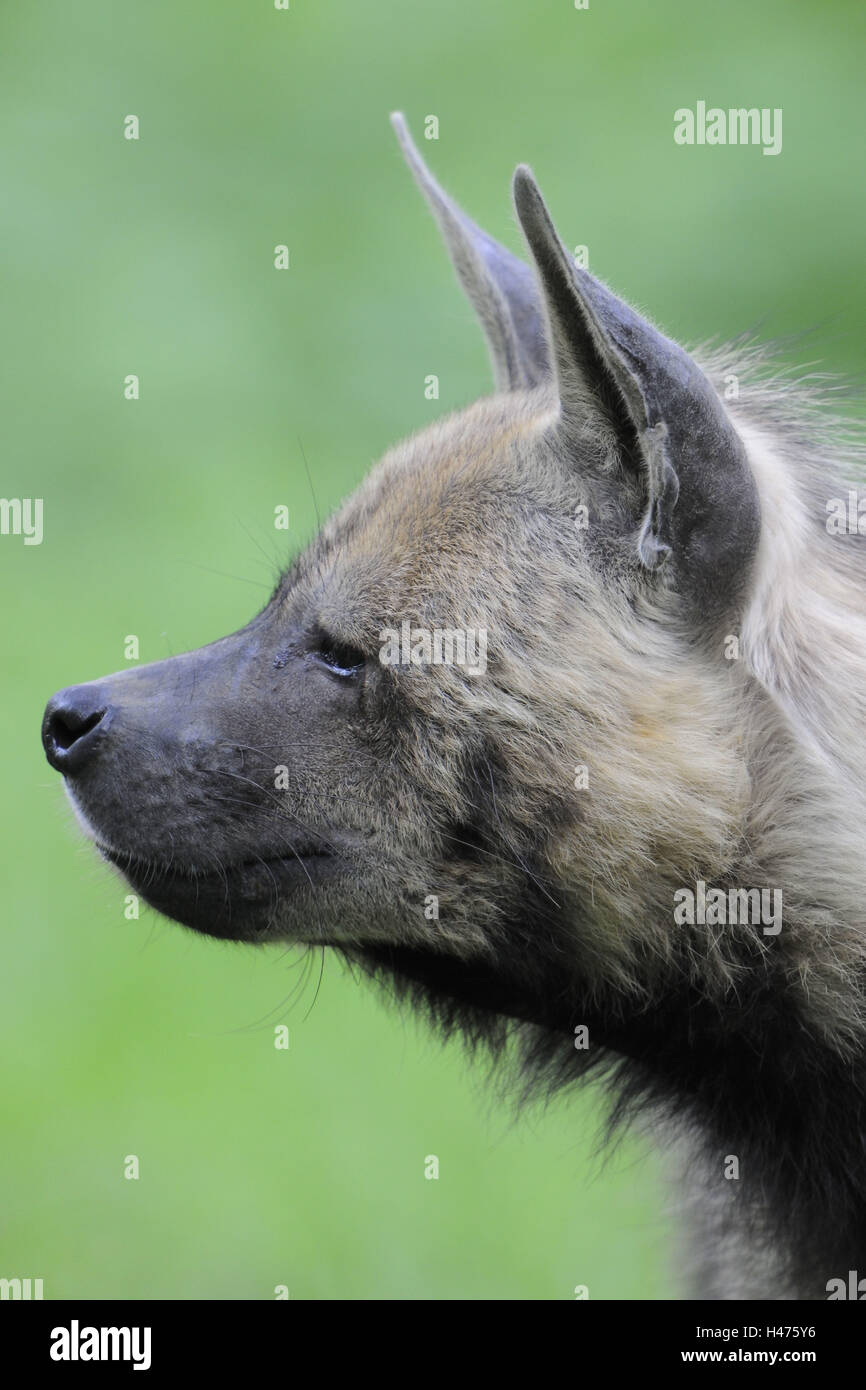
x,y
340,659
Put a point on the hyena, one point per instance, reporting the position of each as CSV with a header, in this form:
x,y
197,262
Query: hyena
x,y
673,702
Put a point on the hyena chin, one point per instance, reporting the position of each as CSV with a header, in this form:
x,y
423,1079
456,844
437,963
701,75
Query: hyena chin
x,y
673,697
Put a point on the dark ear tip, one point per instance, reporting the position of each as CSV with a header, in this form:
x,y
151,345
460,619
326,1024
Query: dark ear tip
x,y
527,195
524,180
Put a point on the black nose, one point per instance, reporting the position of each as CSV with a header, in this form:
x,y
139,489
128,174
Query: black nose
x,y
71,726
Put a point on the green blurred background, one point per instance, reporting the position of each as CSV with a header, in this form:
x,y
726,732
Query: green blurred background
x,y
257,127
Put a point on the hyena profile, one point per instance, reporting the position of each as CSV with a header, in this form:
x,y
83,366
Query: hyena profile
x,y
673,701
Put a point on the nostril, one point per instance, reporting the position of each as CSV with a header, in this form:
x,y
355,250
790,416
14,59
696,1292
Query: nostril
x,y
69,725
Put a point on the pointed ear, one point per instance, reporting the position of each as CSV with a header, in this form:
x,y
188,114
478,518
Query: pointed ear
x,y
501,289
702,502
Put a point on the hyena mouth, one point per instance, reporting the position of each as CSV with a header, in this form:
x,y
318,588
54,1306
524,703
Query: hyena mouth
x,y
233,900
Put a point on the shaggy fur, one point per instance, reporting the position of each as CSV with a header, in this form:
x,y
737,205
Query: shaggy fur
x,y
609,649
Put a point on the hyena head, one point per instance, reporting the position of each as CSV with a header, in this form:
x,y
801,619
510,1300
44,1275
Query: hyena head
x,y
482,728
